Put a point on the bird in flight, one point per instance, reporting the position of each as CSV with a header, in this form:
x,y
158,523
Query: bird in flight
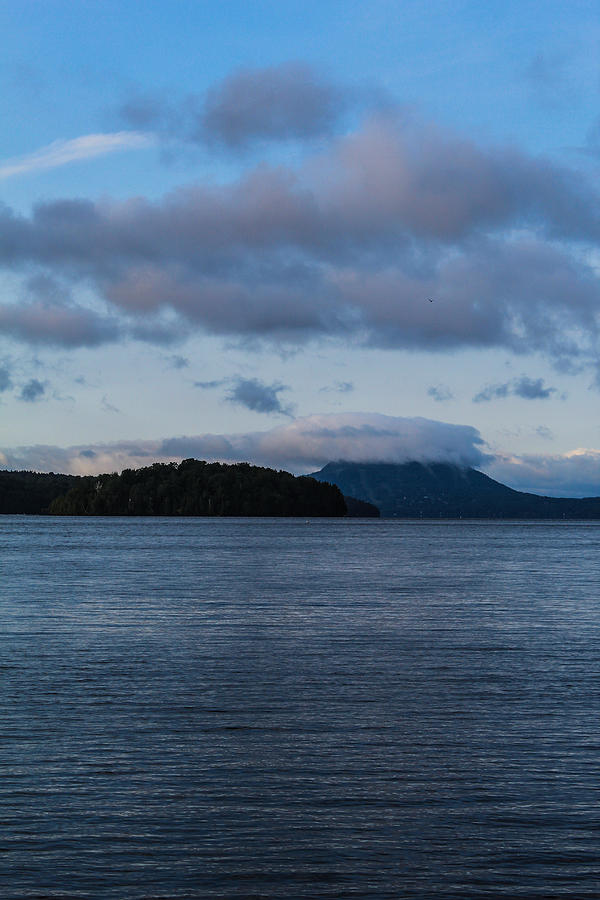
x,y
430,299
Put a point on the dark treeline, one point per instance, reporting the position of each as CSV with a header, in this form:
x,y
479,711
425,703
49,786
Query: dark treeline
x,y
31,492
196,488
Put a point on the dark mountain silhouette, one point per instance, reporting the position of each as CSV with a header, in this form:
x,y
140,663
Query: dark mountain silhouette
x,y
31,492
190,488
197,488
441,490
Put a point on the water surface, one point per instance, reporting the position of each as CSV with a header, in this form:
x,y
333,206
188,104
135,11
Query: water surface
x,y
271,708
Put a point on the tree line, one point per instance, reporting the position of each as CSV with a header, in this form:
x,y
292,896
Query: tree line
x,y
197,488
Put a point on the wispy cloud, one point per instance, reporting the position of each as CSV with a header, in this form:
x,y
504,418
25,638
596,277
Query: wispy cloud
x,y
524,387
340,387
440,393
63,152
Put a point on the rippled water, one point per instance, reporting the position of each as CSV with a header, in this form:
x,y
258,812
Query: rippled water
x,y
280,709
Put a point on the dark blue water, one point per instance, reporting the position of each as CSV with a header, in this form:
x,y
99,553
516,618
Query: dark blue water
x,y
281,709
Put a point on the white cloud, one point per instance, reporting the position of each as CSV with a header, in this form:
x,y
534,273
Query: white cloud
x,y
307,444
302,445
63,152
572,474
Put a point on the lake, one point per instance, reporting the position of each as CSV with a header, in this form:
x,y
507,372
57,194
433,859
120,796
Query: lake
x,y
272,708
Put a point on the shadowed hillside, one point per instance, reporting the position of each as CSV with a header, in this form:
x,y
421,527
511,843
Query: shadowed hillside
x,y
31,492
441,490
196,488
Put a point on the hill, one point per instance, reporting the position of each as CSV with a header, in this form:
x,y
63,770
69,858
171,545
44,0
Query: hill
x,y
31,492
197,488
442,490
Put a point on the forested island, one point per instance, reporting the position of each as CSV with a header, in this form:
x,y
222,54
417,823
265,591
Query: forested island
x,y
189,488
197,488
32,492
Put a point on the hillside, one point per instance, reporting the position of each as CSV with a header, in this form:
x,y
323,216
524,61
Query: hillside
x,y
31,492
441,490
197,488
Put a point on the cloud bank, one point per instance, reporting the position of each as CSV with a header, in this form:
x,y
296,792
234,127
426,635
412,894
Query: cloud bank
x,y
346,244
301,445
307,444
572,474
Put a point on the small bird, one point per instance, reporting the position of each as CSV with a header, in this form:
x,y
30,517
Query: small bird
x,y
430,299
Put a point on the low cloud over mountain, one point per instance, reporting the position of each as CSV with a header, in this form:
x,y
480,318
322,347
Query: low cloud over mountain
x,y
308,443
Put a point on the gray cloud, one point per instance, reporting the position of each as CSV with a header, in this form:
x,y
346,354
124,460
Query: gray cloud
x,y
305,444
176,361
210,385
492,392
348,245
574,474
532,388
339,387
56,325
5,379
300,445
32,391
107,406
544,432
524,387
258,396
312,441
440,393
290,101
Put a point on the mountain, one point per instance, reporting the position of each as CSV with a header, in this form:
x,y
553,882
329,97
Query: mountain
x,y
442,490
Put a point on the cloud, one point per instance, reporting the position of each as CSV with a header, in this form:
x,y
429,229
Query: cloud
x,y
5,379
301,445
64,152
340,387
492,392
107,406
440,393
306,444
532,388
258,396
177,361
289,101
32,391
572,474
346,245
524,387
56,324
544,432
210,385
549,76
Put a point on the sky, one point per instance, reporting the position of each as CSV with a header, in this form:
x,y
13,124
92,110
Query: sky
x,y
291,233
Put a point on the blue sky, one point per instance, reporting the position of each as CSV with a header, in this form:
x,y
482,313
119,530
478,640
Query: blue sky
x,y
222,226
